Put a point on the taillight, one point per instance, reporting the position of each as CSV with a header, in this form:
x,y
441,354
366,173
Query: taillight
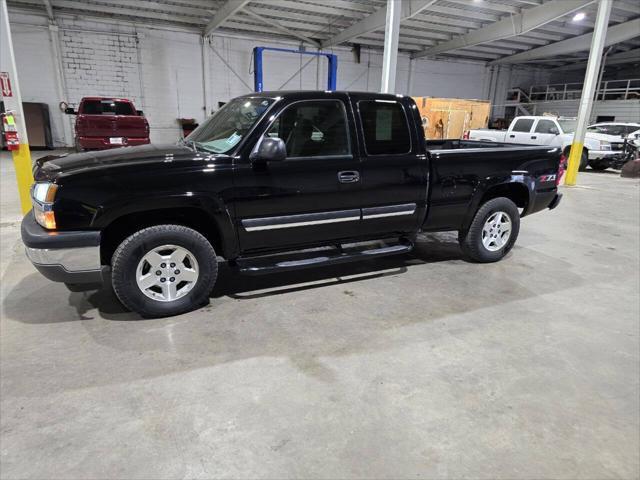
x,y
562,167
465,135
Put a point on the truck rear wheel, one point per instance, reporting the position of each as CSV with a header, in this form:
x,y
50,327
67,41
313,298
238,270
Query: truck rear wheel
x,y
493,231
164,270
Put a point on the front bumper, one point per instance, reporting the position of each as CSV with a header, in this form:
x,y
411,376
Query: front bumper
x,y
103,143
603,154
69,257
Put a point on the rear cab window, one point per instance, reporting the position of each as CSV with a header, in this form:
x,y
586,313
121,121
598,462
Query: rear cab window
x,y
523,125
385,127
106,107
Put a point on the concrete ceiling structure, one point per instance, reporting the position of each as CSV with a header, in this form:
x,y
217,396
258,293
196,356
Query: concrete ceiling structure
x,y
528,32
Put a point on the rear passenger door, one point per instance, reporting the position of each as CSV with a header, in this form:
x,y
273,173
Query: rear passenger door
x,y
394,165
521,132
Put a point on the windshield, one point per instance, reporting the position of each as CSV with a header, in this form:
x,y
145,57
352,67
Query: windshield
x,y
617,130
568,126
225,128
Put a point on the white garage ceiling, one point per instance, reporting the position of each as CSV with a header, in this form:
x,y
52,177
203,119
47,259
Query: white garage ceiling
x,y
482,30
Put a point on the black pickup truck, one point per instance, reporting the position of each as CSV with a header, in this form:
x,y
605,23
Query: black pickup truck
x,y
340,176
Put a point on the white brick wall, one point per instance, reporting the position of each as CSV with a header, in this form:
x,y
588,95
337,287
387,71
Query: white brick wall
x,y
160,69
37,72
99,64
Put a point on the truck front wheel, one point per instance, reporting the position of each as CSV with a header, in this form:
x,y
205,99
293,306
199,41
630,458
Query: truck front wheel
x,y
584,158
493,231
164,270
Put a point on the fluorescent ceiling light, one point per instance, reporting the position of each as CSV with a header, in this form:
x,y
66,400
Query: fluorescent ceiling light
x,y
578,17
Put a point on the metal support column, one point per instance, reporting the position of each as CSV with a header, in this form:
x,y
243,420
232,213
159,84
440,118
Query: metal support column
x,y
588,89
391,36
410,76
61,86
13,102
206,73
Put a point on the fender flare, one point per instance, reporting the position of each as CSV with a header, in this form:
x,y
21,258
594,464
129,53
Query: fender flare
x,y
212,206
523,181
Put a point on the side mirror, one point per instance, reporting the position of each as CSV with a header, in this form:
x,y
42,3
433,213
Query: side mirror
x,y
555,131
270,149
140,113
69,111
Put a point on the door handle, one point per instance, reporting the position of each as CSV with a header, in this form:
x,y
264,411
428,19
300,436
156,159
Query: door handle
x,y
533,137
512,136
349,176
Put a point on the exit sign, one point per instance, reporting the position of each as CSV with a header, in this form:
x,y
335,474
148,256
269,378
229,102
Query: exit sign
x,y
5,85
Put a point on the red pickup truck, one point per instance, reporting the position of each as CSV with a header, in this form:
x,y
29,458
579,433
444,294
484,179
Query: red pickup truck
x,y
107,123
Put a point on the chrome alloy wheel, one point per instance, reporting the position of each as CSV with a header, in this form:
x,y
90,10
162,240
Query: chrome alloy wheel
x,y
496,231
167,273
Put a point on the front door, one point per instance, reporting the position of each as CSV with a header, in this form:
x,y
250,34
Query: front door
x,y
311,197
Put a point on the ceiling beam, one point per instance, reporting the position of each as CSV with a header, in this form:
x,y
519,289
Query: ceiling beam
x,y
633,9
47,5
630,56
509,27
487,5
225,11
376,21
130,12
275,24
616,34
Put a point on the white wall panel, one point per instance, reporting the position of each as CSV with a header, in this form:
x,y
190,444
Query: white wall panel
x,y
161,70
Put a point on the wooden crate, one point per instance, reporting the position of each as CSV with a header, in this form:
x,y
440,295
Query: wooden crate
x,y
451,117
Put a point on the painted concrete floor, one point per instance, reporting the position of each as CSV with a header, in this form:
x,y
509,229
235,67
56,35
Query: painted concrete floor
x,y
422,366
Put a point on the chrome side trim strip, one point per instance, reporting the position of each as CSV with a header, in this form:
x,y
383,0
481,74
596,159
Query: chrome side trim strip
x,y
303,220
321,218
79,259
389,211
300,224
390,214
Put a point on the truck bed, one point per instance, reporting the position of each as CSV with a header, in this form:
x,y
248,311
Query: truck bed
x,y
455,144
460,170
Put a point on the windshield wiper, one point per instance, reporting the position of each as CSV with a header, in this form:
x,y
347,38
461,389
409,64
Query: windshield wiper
x,y
189,143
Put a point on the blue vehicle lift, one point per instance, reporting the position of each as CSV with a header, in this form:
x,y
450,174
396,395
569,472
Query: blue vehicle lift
x,y
258,84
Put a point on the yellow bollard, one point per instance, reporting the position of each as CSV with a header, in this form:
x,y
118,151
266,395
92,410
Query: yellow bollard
x,y
24,175
574,163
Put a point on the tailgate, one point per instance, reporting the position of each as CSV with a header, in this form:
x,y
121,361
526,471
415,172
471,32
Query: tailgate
x,y
111,126
129,126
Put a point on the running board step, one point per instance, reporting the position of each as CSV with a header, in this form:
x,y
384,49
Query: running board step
x,y
271,264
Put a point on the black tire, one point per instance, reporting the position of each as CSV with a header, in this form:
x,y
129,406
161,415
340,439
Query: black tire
x,y
584,158
599,166
471,240
128,255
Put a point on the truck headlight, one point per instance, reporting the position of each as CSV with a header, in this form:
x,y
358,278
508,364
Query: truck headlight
x,y
605,146
43,195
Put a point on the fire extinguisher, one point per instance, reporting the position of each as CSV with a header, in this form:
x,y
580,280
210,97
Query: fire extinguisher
x,y
11,139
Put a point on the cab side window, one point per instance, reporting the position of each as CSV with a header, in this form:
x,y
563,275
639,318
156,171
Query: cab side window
x,y
385,127
313,129
523,125
546,126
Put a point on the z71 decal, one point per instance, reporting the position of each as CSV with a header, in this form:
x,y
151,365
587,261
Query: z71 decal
x,y
548,178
